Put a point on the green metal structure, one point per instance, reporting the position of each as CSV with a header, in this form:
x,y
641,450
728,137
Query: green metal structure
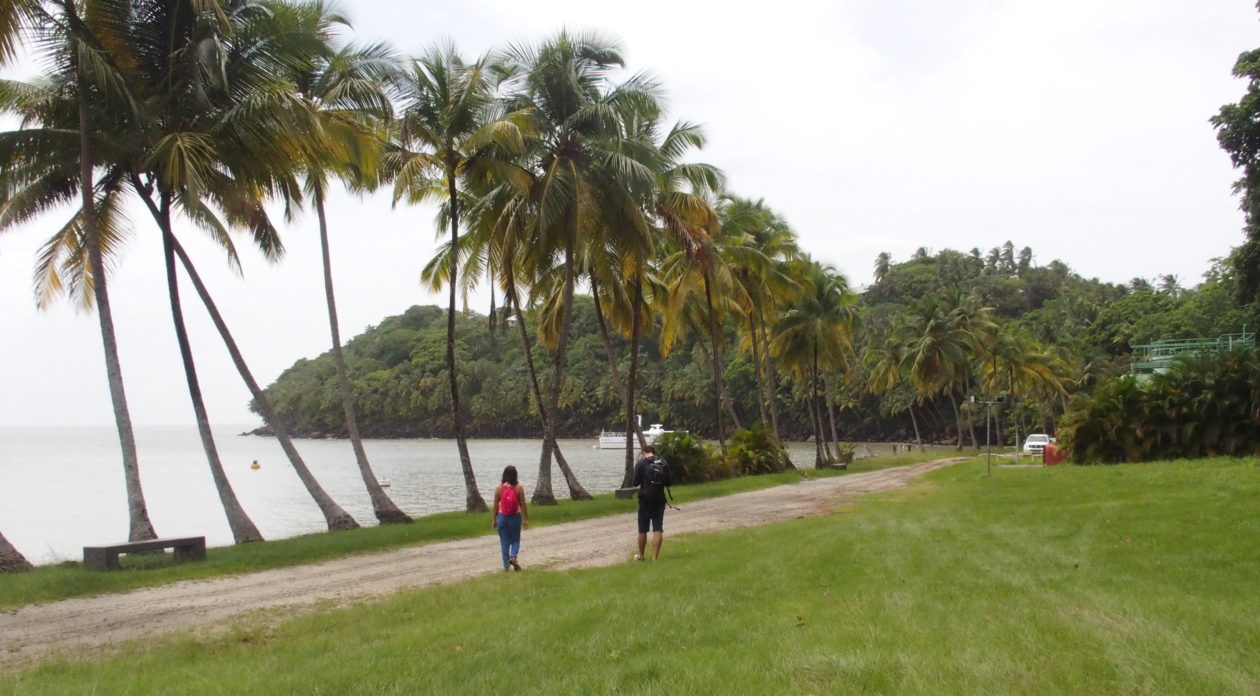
x,y
1149,358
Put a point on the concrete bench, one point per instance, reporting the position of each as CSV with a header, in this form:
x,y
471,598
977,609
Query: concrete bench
x,y
106,557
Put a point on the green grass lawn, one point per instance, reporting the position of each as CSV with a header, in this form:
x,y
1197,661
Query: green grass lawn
x,y
66,580
1136,579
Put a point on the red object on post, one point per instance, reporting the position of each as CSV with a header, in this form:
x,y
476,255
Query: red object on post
x,y
1052,455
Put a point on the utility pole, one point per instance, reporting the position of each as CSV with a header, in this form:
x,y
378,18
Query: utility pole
x,y
988,421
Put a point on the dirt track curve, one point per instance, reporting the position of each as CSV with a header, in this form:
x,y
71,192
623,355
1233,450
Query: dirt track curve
x,y
97,622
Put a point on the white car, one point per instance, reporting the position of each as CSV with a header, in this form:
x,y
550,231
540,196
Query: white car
x,y
1036,443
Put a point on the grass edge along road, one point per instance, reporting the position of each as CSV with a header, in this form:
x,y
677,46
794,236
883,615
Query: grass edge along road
x,y
1123,579
67,580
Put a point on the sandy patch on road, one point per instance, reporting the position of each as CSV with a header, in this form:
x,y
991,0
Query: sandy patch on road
x,y
94,623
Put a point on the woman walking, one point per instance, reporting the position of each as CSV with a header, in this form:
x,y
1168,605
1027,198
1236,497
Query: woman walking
x,y
510,516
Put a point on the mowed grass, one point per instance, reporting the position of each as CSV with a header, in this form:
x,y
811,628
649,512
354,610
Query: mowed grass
x,y
67,580
1135,579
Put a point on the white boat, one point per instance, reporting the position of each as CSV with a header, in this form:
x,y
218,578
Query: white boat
x,y
613,439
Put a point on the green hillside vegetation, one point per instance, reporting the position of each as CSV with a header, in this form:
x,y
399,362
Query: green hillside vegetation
x,y
1080,330
1068,580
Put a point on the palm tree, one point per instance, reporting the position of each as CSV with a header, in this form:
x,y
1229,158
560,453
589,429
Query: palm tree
x,y
346,88
40,171
886,370
680,207
816,334
940,337
883,263
762,273
587,184
219,127
446,122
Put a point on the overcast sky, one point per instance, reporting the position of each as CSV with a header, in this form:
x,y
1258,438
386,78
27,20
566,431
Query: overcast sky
x,y
1078,128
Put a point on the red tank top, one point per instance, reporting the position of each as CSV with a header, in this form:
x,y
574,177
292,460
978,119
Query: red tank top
x,y
508,504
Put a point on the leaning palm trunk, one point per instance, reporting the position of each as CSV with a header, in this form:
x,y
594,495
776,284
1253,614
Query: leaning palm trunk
x,y
758,371
386,511
613,370
473,501
334,516
139,526
727,402
717,370
627,478
957,419
831,410
820,460
576,491
243,528
11,560
542,491
918,439
772,378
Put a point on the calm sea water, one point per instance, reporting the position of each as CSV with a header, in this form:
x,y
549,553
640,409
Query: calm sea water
x,y
62,488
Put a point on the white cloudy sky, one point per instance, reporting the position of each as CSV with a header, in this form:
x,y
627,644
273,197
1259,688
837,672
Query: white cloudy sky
x,y
1078,128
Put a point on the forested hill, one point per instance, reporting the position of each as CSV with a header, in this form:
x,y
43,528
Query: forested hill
x,y
1082,329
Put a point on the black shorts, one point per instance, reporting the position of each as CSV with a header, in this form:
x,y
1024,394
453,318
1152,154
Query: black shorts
x,y
652,511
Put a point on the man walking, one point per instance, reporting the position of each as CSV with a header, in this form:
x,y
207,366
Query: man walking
x,y
651,477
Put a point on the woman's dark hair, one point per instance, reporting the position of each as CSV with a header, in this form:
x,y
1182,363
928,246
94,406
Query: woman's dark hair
x,y
649,449
509,475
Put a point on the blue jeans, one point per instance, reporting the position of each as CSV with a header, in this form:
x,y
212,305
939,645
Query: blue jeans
x,y
509,535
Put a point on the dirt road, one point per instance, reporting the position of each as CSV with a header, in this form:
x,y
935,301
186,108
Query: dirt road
x,y
95,623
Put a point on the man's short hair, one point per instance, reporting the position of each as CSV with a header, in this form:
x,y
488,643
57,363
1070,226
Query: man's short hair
x,y
649,449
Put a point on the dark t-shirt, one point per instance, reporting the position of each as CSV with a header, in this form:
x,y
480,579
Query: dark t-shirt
x,y
648,491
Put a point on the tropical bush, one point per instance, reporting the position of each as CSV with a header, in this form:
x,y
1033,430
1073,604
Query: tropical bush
x,y
1201,406
691,459
755,451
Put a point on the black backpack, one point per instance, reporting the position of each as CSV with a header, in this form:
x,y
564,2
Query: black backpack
x,y
654,480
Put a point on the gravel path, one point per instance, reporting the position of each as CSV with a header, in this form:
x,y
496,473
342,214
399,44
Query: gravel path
x,y
95,623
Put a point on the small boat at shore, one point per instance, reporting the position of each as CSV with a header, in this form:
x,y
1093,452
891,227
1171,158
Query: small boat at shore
x,y
613,439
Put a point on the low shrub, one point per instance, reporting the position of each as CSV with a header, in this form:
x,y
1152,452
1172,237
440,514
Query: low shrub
x,y
690,459
756,451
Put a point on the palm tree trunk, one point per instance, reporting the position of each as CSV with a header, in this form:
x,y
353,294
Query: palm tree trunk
x,y
831,409
627,478
772,378
613,370
758,369
386,511
717,372
542,491
473,501
139,526
334,516
957,419
815,416
243,528
918,439
11,560
512,303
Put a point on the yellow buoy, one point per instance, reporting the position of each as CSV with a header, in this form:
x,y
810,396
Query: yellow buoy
x,y
255,465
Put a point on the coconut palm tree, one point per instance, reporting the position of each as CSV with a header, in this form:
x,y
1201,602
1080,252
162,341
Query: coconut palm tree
x,y
816,334
940,337
346,88
762,273
680,209
447,121
587,184
50,160
220,128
